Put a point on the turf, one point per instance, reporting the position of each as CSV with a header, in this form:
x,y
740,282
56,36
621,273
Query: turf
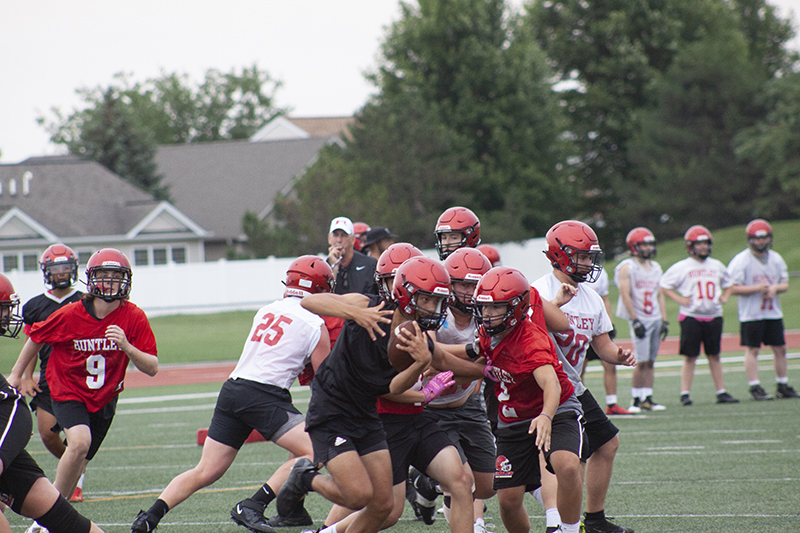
x,y
707,467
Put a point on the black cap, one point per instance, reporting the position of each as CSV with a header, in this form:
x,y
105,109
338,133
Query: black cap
x,y
377,234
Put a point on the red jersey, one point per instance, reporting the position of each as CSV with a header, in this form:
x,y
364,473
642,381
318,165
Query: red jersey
x,y
84,365
524,349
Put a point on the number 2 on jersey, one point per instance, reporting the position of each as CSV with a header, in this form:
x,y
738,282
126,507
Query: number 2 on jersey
x,y
273,328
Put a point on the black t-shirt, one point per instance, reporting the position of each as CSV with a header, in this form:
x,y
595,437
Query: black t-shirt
x,y
38,309
348,382
357,276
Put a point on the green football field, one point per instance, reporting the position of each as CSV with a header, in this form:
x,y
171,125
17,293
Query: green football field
x,y
704,468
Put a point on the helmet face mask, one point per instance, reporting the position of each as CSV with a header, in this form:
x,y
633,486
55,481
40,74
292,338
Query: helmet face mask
x,y
10,321
573,249
695,236
642,243
108,275
56,261
466,266
457,227
502,299
759,235
421,290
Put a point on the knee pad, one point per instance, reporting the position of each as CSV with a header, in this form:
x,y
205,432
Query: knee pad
x,y
63,518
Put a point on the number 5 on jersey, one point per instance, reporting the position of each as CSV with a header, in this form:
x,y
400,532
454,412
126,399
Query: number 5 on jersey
x,y
269,331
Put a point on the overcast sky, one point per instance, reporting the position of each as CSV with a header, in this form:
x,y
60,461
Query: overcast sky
x,y
319,49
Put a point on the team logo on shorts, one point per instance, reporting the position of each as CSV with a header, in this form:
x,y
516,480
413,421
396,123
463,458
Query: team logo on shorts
x,y
503,468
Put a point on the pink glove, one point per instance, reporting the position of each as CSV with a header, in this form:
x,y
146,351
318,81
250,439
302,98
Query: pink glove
x,y
497,374
436,385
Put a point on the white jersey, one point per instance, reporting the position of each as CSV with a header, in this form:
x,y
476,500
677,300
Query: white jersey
x,y
644,290
587,318
748,269
600,285
449,333
279,344
702,281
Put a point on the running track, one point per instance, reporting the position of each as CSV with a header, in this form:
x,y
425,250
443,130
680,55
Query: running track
x,y
219,372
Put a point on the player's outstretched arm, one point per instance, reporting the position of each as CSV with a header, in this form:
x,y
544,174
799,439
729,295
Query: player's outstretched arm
x,y
351,306
554,318
547,380
610,352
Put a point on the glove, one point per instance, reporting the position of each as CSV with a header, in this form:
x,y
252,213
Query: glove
x,y
613,333
664,330
496,374
638,328
436,385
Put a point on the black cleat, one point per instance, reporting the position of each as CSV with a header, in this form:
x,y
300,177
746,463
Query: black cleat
x,y
757,393
144,523
250,514
426,513
293,492
604,526
724,397
785,391
685,400
298,517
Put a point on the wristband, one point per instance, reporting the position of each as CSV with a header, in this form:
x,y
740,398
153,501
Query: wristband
x,y
471,353
548,416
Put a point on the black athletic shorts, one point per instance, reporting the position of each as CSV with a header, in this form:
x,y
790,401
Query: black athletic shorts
x,y
468,428
696,332
518,458
20,471
413,440
758,332
74,413
336,436
43,401
244,405
599,429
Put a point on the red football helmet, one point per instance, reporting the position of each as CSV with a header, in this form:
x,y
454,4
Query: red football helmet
x,y
10,321
636,238
388,263
758,229
360,229
100,281
502,286
426,276
58,259
565,241
697,234
466,265
308,274
491,254
457,220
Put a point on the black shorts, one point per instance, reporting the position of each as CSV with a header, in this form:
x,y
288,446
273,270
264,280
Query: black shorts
x,y
413,440
43,401
468,428
20,471
599,429
518,458
758,332
336,436
244,405
591,355
73,413
694,332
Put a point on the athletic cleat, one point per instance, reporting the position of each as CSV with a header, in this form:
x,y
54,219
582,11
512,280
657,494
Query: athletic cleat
x,y
36,528
636,406
724,397
758,394
785,391
604,526
298,517
77,496
293,493
615,409
426,513
552,529
144,523
250,514
649,405
685,400
479,526
411,498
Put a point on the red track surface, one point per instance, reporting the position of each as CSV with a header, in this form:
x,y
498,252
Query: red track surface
x,y
219,372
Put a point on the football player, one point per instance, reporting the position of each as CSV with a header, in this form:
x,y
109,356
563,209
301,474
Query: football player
x,y
284,337
23,485
457,227
641,303
759,276
491,254
575,254
93,342
700,285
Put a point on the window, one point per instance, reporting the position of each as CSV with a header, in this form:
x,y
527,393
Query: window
x,y
140,257
10,262
30,262
159,256
179,255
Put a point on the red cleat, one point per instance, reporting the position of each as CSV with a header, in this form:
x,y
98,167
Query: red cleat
x,y
615,409
77,496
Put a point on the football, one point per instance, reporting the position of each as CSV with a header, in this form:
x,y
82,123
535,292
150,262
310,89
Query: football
x,y
399,359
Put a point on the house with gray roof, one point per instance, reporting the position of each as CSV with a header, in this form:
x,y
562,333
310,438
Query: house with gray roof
x,y
44,200
215,183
